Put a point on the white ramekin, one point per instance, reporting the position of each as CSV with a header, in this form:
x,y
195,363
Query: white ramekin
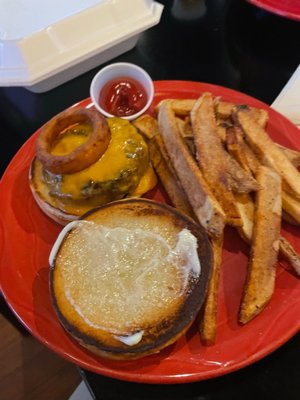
x,y
116,70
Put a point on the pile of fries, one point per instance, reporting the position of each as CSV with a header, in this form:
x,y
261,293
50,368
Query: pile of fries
x,y
219,166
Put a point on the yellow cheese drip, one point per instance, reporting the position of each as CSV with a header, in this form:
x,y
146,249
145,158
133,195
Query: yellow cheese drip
x,y
71,139
126,151
147,182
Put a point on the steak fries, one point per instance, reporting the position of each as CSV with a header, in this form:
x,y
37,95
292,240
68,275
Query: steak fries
x,y
161,162
267,151
260,282
210,156
220,167
208,320
205,206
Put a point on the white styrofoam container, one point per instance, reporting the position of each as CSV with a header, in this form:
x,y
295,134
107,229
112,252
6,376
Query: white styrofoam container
x,y
46,43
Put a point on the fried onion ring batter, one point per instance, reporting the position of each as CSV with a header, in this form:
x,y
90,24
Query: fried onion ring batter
x,y
81,157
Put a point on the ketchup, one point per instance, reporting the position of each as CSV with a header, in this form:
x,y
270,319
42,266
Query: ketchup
x,y
123,96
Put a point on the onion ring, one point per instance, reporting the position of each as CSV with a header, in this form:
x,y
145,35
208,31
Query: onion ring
x,y
82,156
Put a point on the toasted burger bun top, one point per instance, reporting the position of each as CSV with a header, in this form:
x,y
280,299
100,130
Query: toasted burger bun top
x,y
129,278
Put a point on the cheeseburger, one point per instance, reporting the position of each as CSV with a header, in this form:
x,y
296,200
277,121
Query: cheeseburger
x,y
84,160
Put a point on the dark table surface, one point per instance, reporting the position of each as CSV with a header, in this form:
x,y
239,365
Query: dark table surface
x,y
232,44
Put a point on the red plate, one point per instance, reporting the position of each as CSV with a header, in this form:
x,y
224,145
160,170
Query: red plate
x,y
285,8
26,239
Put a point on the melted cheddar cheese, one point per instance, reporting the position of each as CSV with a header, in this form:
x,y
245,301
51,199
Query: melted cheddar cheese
x,y
124,163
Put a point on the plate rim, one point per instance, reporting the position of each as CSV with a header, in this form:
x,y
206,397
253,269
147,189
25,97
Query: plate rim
x,y
154,378
281,11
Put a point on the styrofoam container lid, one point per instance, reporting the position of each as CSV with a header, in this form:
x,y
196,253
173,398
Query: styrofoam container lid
x,y
39,39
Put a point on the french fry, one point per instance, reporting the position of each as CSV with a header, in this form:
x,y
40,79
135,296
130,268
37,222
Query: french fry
x,y
181,107
286,217
147,126
245,205
206,208
209,313
292,155
221,129
211,157
240,180
161,162
289,254
291,206
268,152
260,116
249,159
223,109
187,134
168,177
252,160
246,208
185,128
235,144
260,282
286,250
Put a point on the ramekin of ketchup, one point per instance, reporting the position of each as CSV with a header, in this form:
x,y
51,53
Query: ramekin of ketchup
x,y
122,89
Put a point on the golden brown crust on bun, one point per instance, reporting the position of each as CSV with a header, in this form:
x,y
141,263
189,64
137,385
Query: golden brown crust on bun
x,y
129,278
